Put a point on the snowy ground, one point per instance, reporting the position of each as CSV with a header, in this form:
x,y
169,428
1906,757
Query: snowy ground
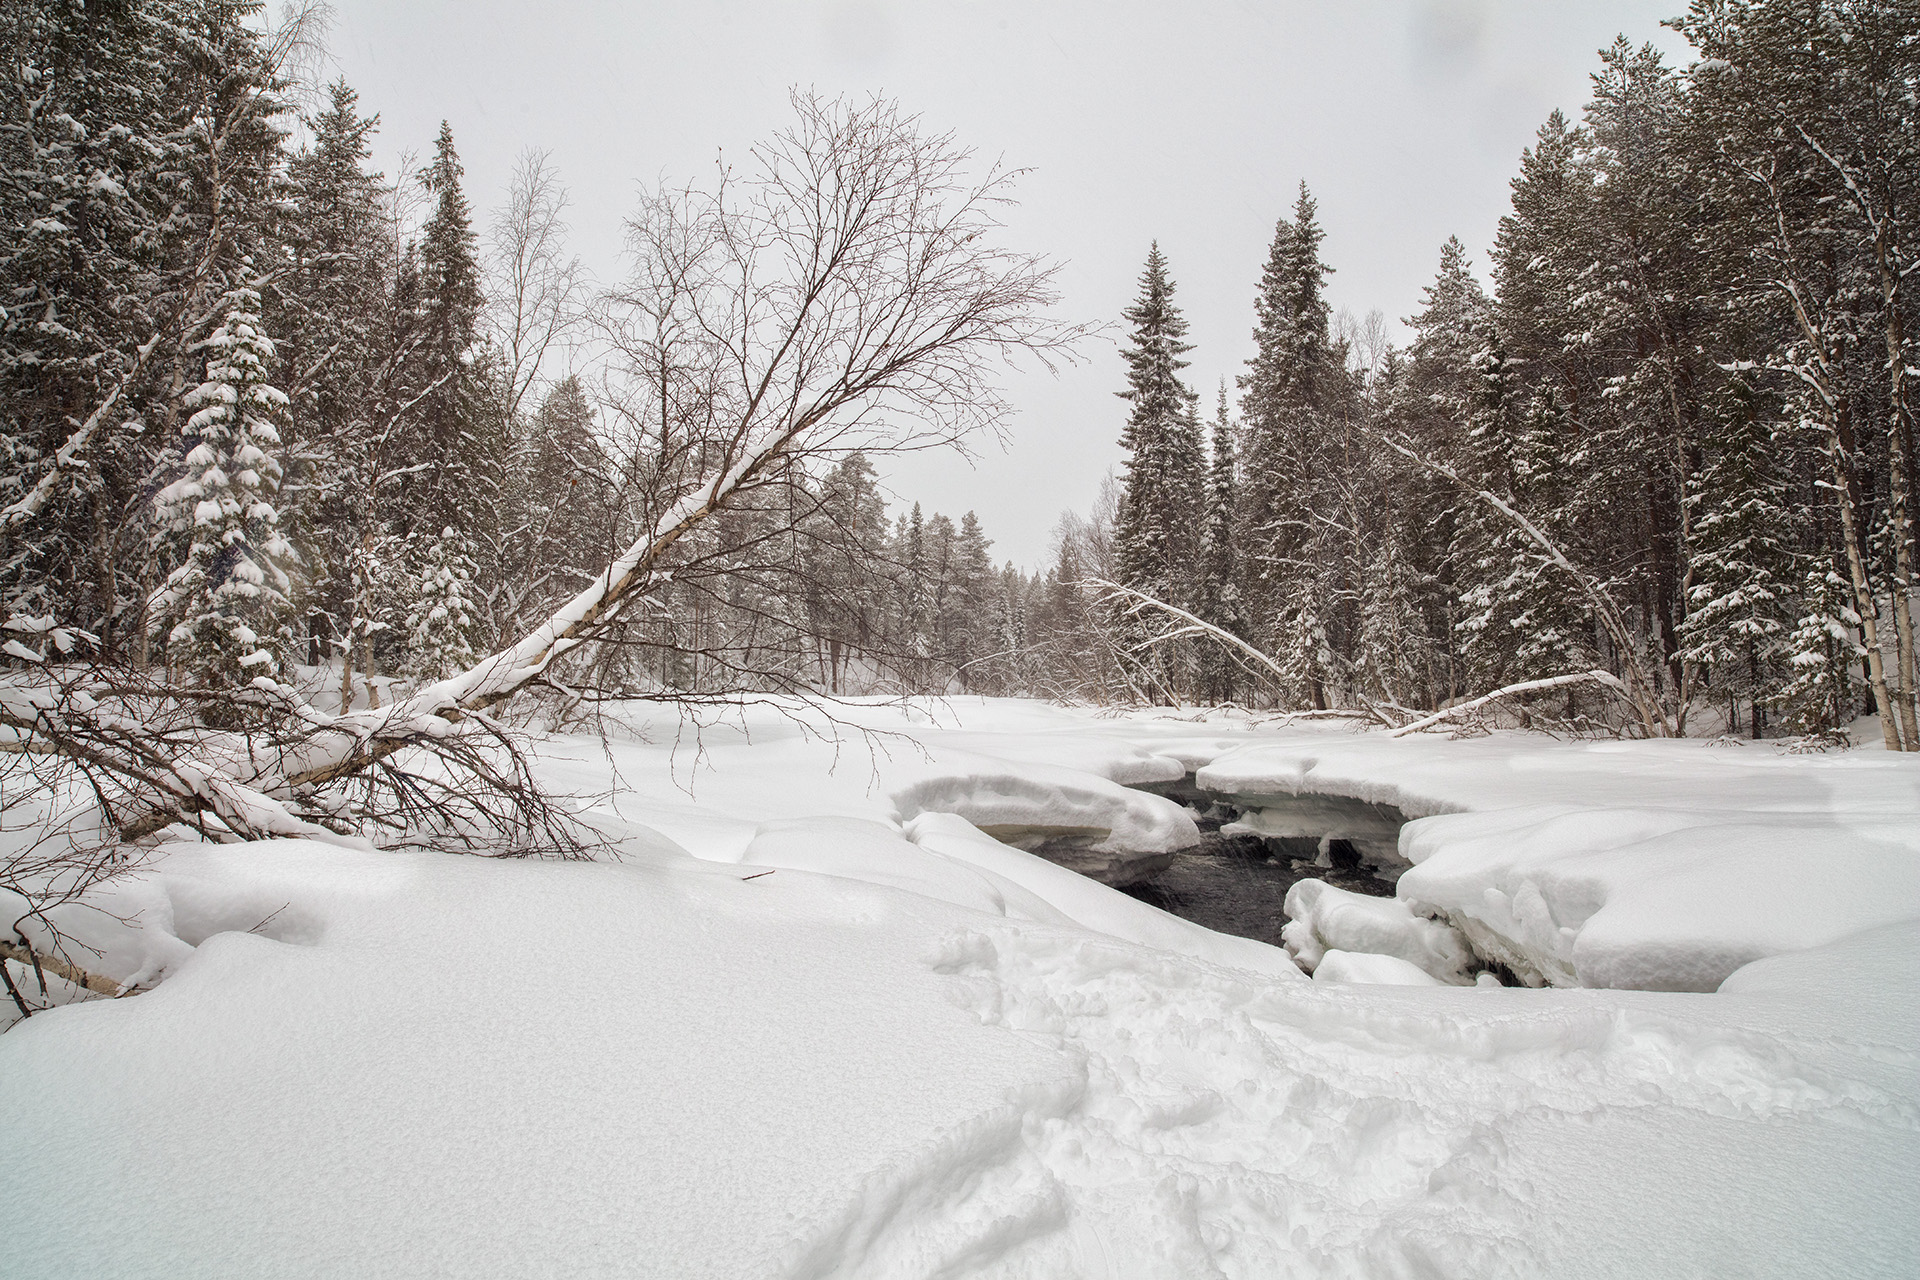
x,y
811,1024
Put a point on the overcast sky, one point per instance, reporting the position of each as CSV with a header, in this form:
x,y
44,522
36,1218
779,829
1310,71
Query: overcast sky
x,y
1187,122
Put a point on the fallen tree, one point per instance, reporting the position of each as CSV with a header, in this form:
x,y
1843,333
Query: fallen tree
x,y
844,295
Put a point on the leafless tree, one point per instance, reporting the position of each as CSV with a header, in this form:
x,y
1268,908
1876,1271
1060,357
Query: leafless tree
x,y
536,290
842,290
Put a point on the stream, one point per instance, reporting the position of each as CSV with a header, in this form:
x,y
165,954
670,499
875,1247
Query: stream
x,y
1235,881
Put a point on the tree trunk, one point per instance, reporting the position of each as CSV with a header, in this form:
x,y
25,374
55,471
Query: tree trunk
x,y
1840,451
1899,514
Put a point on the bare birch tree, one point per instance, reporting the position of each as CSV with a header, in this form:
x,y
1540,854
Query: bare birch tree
x,y
843,290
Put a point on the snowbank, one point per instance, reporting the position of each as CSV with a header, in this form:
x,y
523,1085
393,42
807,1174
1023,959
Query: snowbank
x,y
836,1044
1323,919
1658,865
1378,970
1659,899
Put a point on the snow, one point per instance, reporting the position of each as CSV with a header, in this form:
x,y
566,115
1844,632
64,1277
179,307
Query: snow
x,y
790,1025
1324,919
1658,865
1384,970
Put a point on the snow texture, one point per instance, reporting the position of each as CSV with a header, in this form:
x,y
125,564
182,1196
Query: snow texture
x,y
1324,919
1663,865
778,1032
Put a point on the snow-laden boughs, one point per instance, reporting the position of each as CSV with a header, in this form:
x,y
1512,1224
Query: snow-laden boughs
x,y
441,624
1740,601
225,598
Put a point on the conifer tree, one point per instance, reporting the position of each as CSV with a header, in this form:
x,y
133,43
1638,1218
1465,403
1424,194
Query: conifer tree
x,y
1219,599
441,624
226,596
457,440
1283,396
1740,561
1160,504
330,312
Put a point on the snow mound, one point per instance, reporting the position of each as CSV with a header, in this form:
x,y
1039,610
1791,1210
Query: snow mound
x,y
1659,865
1033,801
1323,919
1657,899
1374,970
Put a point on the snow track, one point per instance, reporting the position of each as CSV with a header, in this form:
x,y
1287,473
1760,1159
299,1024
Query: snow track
x,y
1232,1126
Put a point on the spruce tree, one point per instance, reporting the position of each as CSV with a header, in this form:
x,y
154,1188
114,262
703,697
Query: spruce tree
x,y
1739,556
330,312
1284,395
457,440
1219,600
226,596
440,625
1161,504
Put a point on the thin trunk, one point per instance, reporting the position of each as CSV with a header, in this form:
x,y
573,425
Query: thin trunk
x,y
1839,451
373,690
1899,514
346,673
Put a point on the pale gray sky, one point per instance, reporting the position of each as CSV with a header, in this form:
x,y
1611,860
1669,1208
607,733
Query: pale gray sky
x,y
1188,122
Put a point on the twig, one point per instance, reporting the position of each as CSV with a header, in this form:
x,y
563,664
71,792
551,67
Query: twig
x,y
58,968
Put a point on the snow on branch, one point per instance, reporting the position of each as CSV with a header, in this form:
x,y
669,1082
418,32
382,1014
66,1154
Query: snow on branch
x,y
1640,689
845,295
1604,678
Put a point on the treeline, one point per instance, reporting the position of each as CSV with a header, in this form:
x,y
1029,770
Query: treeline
x,y
262,406
1675,443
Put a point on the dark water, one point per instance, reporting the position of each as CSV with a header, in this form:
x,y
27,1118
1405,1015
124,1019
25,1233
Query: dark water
x,y
1237,883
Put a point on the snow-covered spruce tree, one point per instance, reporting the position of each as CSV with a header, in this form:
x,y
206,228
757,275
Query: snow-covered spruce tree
x,y
329,315
226,596
1160,501
139,142
1219,596
1285,465
440,625
1822,648
1811,111
1740,557
455,438
976,591
1522,618
1161,487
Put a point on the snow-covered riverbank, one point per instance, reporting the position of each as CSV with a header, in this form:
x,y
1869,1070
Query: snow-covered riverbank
x,y
910,1050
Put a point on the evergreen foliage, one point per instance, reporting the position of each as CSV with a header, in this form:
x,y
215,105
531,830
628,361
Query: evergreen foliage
x,y
226,596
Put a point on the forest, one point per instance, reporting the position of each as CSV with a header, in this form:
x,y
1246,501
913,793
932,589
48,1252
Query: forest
x,y
287,440
499,776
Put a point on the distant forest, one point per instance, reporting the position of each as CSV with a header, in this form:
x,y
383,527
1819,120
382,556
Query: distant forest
x,y
263,409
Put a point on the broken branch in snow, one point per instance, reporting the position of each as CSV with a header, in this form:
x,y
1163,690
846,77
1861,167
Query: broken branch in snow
x,y
846,297
1604,678
1140,600
1640,690
62,969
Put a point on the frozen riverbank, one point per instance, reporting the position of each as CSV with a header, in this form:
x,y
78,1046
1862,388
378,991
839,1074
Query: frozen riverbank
x,y
791,1034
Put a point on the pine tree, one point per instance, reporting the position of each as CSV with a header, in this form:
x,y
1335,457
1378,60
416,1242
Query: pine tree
x,y
227,594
